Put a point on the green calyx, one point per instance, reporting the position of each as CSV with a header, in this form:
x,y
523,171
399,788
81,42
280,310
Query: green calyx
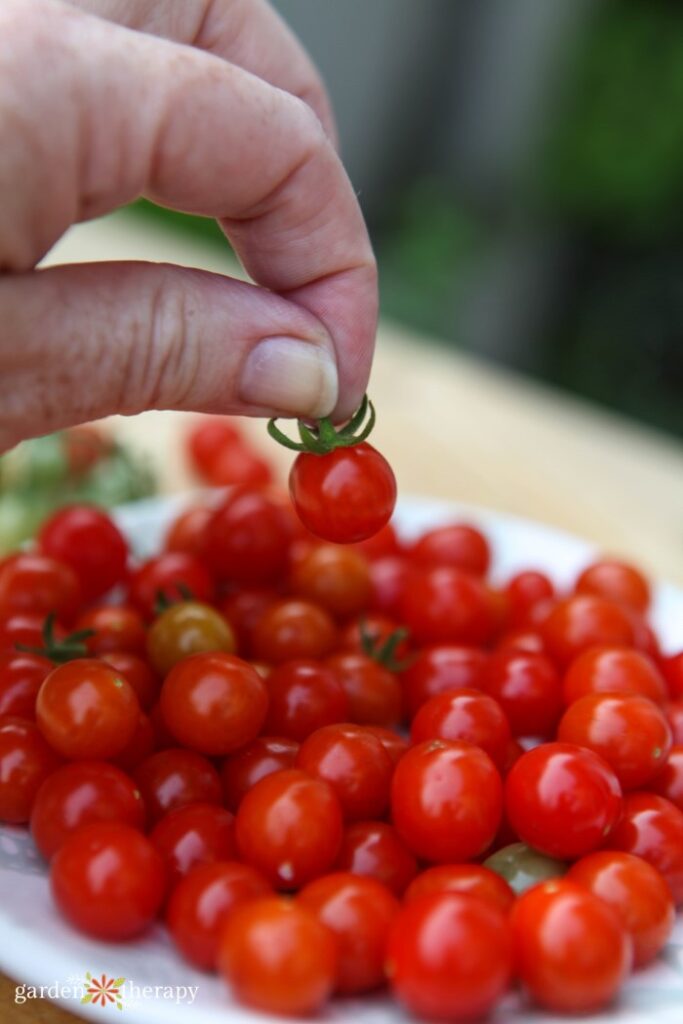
x,y
163,601
70,648
384,652
322,437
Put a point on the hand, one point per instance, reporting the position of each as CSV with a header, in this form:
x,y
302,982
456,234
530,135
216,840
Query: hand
x,y
206,106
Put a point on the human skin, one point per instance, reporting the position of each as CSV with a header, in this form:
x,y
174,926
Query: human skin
x,y
210,107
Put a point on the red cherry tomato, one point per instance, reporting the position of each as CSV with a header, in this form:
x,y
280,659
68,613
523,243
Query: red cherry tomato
x,y
213,703
390,577
108,880
289,826
521,639
447,606
652,828
669,781
374,693
242,609
395,745
627,730
374,849
572,953
562,799
174,777
459,545
86,539
261,757
449,957
236,465
140,746
191,835
336,578
26,761
87,709
525,591
439,669
354,763
115,627
636,892
138,673
446,800
674,716
303,696
583,621
201,903
470,878
292,629
25,628
170,576
188,532
39,585
248,538
383,544
464,715
613,670
277,957
528,688
616,581
345,496
78,794
21,676
672,670
359,912
210,436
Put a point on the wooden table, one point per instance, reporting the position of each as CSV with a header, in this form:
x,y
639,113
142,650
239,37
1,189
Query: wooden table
x,y
455,427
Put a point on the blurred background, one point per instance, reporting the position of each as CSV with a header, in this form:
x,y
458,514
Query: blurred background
x,y
521,168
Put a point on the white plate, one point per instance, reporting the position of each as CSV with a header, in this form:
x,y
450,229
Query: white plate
x,y
39,948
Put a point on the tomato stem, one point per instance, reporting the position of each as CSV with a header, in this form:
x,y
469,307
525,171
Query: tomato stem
x,y
385,652
60,651
322,437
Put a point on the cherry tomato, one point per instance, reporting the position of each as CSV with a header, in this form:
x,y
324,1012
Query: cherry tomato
x,y
459,545
213,703
390,577
672,670
345,496
191,835
87,709
136,672
572,953
291,629
354,763
238,464
528,688
184,629
174,777
652,828
25,629
628,731
382,544
21,676
446,800
616,581
440,669
277,957
521,866
471,878
669,781
464,715
115,627
261,757
524,591
141,745
303,696
108,880
201,903
39,585
374,849
613,670
359,912
25,762
395,745
248,537
523,639
449,956
78,794
289,826
188,531
447,606
373,692
170,576
674,716
243,608
583,621
336,578
562,799
636,892
210,436
87,540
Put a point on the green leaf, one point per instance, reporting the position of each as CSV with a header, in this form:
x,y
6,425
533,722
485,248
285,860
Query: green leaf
x,y
87,998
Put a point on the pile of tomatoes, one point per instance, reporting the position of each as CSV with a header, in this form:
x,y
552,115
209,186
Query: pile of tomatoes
x,y
315,763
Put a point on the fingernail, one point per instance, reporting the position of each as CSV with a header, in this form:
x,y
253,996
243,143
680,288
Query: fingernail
x,y
290,376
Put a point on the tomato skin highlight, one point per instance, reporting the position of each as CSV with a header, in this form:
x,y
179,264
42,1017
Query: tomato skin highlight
x,y
571,951
606,669
261,757
21,676
174,777
26,760
449,957
354,763
345,496
652,828
192,835
375,849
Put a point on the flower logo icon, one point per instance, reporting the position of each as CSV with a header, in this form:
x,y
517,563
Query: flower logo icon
x,y
103,990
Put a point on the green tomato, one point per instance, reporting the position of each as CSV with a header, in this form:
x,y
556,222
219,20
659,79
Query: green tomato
x,y
522,866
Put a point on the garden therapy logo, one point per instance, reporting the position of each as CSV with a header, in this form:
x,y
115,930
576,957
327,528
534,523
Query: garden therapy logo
x,y
103,990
